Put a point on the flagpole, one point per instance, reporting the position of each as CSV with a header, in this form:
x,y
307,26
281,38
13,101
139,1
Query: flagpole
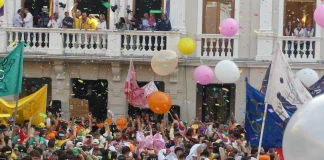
x,y
262,128
15,115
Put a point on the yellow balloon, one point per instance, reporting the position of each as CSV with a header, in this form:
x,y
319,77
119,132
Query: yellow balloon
x,y
187,46
164,62
1,3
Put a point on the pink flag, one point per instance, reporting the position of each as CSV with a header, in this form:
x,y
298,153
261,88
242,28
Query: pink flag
x,y
134,94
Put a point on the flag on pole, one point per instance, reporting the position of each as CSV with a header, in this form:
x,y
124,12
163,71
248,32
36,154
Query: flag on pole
x,y
133,92
274,126
285,91
51,8
2,8
264,86
11,70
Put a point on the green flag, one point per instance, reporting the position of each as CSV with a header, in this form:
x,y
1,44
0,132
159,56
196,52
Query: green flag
x,y
11,70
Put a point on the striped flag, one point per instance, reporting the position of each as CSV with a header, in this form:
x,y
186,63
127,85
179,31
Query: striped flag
x,y
51,8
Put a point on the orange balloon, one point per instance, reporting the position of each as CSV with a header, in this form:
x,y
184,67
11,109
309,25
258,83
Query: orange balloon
x,y
121,123
51,136
131,147
159,102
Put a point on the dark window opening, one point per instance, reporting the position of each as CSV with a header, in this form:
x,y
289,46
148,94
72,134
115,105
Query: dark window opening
x,y
217,102
96,92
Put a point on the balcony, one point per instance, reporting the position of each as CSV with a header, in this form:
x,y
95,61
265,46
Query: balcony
x,y
72,42
298,49
217,46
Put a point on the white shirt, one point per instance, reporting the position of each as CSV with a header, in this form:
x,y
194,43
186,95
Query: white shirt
x,y
28,21
102,25
17,21
301,32
55,24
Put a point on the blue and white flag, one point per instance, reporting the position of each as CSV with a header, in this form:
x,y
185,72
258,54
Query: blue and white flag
x,y
285,91
317,88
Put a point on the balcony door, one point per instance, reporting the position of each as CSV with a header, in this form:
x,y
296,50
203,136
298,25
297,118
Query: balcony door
x,y
94,7
214,11
145,6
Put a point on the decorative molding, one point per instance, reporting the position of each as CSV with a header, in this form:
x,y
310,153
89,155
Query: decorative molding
x,y
115,67
59,68
174,76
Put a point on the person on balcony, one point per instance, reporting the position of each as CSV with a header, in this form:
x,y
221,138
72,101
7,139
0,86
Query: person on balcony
x,y
17,20
67,23
163,25
28,22
85,24
148,24
308,33
55,22
121,26
133,24
93,21
76,15
102,26
289,32
299,33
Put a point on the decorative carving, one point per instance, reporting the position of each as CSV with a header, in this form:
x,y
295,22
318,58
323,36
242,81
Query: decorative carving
x,y
115,67
59,68
174,76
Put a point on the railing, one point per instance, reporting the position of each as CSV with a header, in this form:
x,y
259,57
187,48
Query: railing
x,y
300,49
217,46
90,42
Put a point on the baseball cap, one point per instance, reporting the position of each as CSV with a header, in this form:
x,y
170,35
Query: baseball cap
x,y
112,148
95,141
69,144
22,149
41,125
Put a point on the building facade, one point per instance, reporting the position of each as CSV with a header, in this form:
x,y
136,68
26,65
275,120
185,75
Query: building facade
x,y
82,69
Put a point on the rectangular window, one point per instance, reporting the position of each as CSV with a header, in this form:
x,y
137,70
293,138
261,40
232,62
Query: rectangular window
x,y
214,11
32,85
299,12
215,102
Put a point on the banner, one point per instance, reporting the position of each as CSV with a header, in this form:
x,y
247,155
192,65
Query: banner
x,y
33,105
274,126
2,8
317,88
285,91
78,108
11,70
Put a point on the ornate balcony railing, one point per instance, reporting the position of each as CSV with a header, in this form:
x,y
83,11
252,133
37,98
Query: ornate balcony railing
x,y
217,46
300,49
39,41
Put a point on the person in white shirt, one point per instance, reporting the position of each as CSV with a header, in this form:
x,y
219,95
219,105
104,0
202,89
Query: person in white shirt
x,y
102,23
55,22
299,32
308,33
28,21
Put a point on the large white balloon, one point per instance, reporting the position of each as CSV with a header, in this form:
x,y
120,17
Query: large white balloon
x,y
164,62
307,76
303,138
227,71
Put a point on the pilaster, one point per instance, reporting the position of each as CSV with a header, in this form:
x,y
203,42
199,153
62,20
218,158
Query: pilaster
x,y
115,67
178,15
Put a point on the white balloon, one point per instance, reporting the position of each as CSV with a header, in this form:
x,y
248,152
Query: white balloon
x,y
227,71
307,76
303,137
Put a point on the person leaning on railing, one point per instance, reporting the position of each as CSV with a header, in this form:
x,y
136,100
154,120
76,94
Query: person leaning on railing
x,y
299,33
67,23
308,33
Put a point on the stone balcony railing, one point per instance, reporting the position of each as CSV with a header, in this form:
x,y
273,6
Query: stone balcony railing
x,y
303,49
72,42
217,46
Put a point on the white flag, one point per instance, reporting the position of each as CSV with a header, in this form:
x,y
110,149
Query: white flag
x,y
285,91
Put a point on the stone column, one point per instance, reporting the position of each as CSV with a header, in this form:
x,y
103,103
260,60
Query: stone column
x,y
178,14
265,33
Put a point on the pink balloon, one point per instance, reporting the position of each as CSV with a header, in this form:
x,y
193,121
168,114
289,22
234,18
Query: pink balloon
x,y
319,15
229,27
204,75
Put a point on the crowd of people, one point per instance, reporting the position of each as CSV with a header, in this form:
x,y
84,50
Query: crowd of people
x,y
139,138
80,20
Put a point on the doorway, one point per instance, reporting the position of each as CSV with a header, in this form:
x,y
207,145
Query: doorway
x,y
144,6
35,8
95,91
215,102
94,7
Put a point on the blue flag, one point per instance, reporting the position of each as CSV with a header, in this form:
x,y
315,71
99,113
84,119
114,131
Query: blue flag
x,y
274,126
317,88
